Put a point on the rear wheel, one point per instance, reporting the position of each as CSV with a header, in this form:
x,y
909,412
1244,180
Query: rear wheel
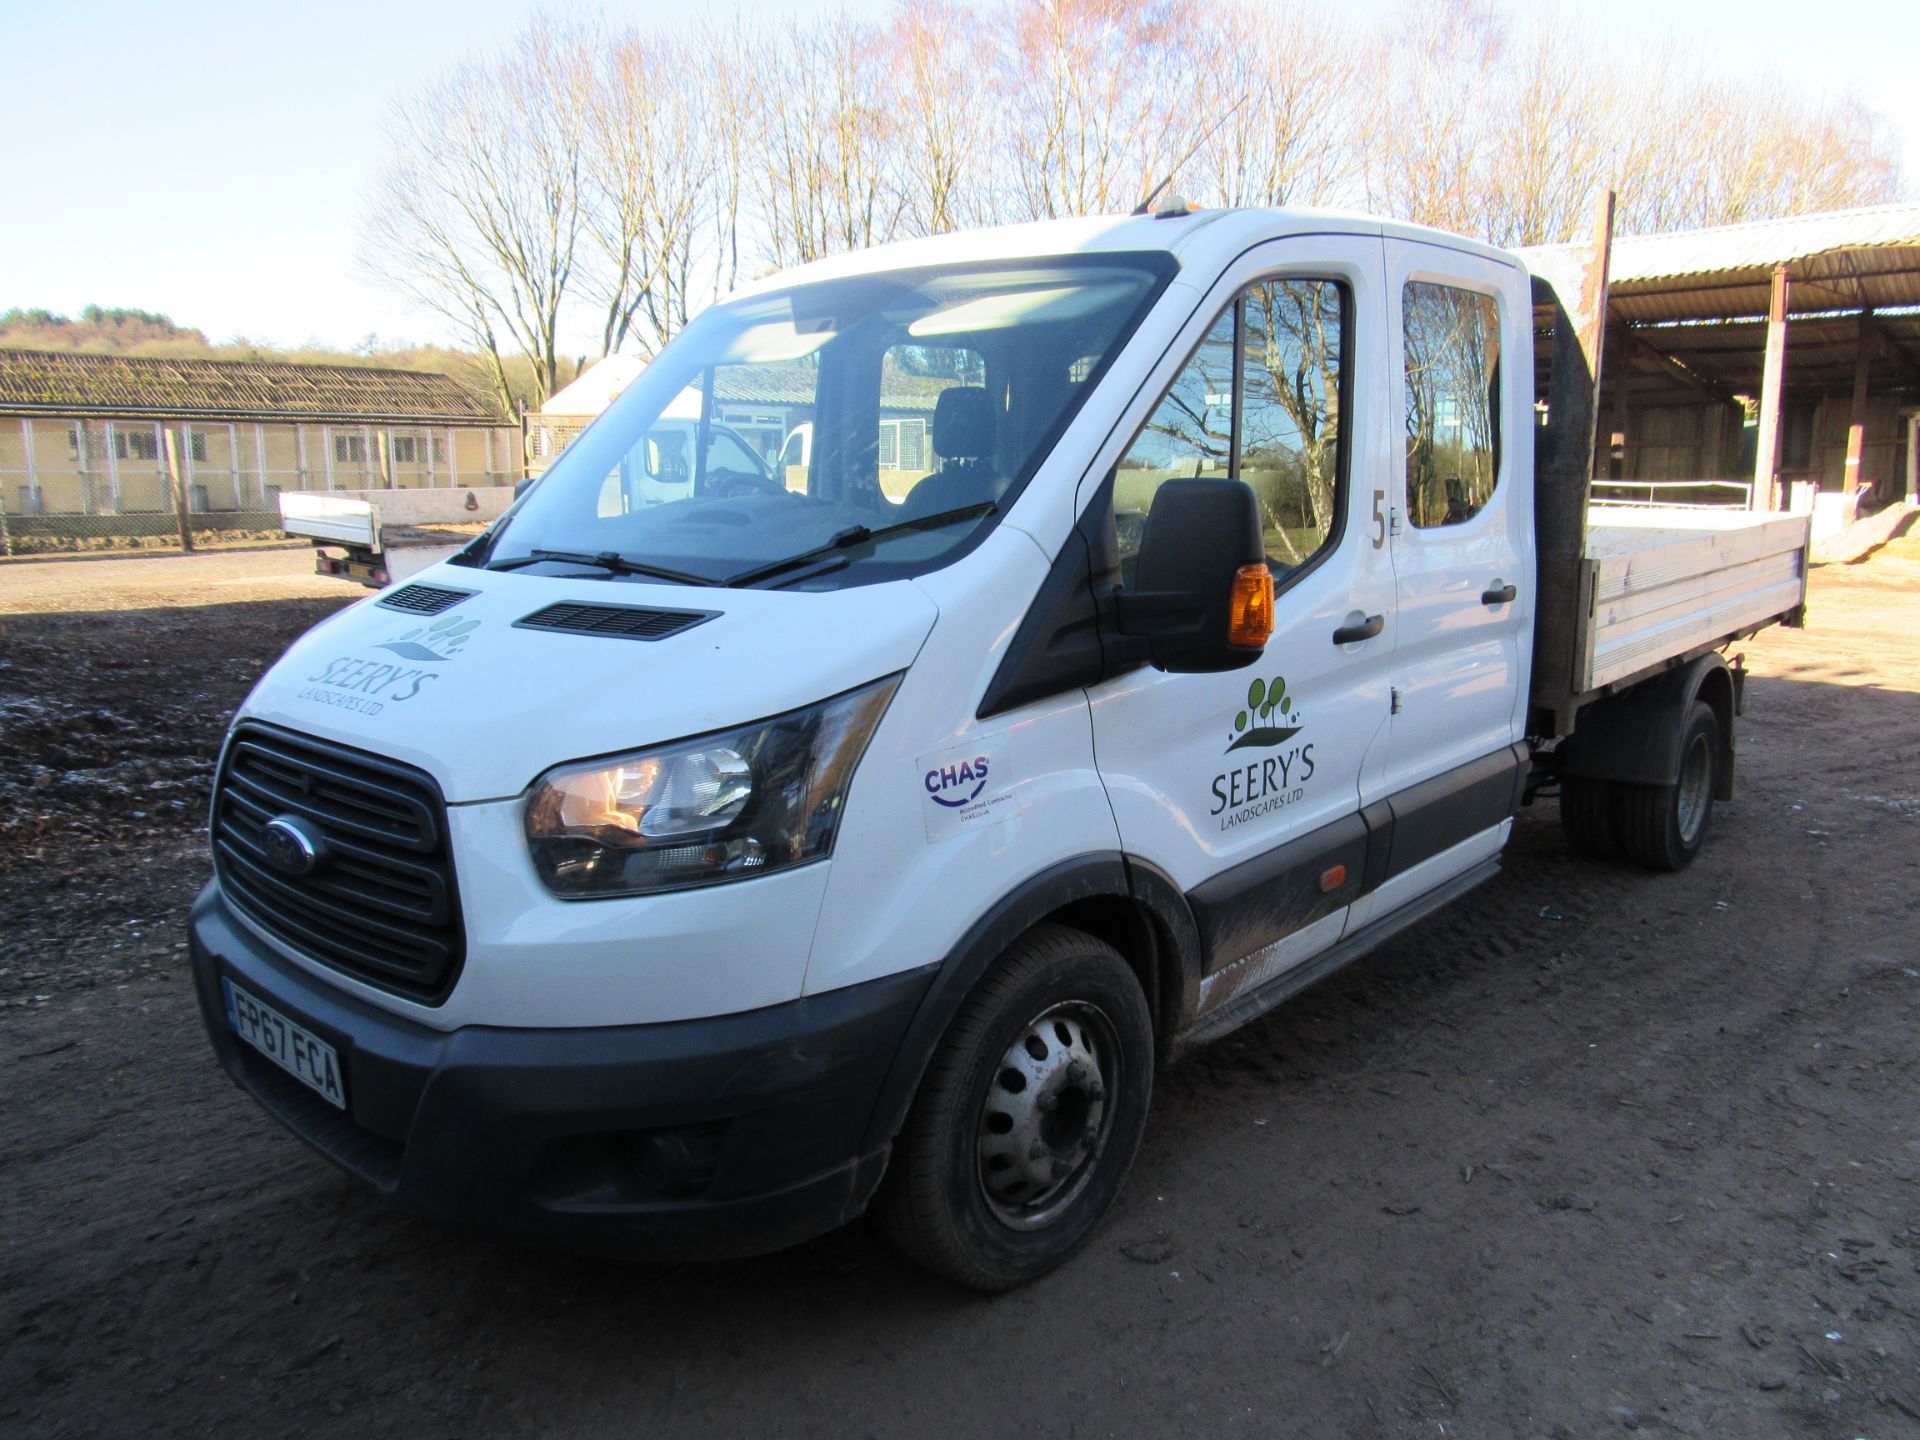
x,y
1663,826
1028,1117
1586,815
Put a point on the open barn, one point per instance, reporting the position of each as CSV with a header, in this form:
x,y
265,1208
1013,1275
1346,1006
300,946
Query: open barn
x,y
1771,363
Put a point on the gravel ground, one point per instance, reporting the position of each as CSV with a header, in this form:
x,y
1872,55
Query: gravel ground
x,y
1592,1151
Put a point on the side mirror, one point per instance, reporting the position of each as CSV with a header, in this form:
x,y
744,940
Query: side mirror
x,y
1202,596
520,487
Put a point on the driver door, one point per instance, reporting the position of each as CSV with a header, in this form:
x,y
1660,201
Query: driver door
x,y
1243,788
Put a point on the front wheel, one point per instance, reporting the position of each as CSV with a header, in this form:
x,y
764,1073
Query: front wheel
x,y
1028,1117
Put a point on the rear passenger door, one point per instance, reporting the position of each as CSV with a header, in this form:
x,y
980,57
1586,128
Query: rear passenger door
x,y
1243,788
1461,519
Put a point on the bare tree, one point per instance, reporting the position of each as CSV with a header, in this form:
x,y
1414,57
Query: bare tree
x,y
1279,90
1429,130
480,212
1101,99
652,164
1554,142
731,112
822,179
938,100
600,186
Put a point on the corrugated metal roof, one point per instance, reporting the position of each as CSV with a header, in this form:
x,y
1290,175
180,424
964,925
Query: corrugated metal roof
x,y
1836,260
74,383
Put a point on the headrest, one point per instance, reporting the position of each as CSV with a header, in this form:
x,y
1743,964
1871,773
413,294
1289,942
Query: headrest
x,y
963,423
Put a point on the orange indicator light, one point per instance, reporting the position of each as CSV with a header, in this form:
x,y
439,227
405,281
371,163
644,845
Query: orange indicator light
x,y
1250,613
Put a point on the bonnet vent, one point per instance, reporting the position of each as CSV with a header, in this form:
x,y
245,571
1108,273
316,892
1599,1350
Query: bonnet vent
x,y
423,599
619,622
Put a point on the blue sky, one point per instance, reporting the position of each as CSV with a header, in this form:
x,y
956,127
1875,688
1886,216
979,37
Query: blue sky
x,y
209,158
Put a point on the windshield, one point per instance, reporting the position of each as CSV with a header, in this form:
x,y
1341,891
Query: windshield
x,y
876,424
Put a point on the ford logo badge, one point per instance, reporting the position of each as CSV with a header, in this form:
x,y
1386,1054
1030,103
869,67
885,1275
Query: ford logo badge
x,y
291,847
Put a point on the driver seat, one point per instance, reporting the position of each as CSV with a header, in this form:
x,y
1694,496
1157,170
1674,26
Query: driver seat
x,y
963,438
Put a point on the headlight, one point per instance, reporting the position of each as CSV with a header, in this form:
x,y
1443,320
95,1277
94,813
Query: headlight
x,y
721,807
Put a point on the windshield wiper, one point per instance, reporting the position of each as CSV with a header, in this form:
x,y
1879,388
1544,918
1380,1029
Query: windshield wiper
x,y
857,535
612,561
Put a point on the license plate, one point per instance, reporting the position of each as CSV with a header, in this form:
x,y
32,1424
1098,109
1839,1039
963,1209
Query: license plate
x,y
300,1053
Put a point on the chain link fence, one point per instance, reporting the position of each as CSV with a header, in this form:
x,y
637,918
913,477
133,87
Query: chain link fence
x,y
77,485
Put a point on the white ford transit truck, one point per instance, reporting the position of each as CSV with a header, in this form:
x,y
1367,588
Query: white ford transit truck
x,y
1167,611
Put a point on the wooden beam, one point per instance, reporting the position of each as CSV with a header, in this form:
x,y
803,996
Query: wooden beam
x,y
1658,360
1884,346
1857,416
1766,456
1622,406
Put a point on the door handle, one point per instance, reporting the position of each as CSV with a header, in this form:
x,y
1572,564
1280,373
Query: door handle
x,y
1498,595
1366,630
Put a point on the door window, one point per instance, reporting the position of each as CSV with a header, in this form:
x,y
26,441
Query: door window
x,y
1453,395
1261,401
1292,342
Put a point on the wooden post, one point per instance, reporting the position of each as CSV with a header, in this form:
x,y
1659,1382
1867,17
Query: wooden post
x,y
1913,459
82,444
1621,373
1766,455
113,464
1563,463
383,443
186,460
1850,477
33,504
171,441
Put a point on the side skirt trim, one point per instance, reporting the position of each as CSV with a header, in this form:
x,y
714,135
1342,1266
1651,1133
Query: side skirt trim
x,y
1256,1003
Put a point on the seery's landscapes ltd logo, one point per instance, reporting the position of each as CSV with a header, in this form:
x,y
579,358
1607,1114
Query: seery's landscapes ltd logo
x,y
1258,784
366,687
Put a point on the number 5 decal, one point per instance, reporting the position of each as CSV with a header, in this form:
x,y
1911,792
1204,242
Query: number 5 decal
x,y
1379,519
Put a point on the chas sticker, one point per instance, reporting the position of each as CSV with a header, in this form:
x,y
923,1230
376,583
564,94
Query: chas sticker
x,y
965,786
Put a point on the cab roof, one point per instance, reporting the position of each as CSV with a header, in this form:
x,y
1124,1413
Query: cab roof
x,y
1194,238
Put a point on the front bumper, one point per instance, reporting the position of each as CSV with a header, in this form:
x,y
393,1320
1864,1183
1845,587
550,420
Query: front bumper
x,y
535,1135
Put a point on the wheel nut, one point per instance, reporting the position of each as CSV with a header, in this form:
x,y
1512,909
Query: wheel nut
x,y
1047,1103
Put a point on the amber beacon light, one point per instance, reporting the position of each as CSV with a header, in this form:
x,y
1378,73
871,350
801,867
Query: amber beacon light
x,y
1250,613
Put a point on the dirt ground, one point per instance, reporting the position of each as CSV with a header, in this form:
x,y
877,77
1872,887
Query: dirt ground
x,y
1593,1151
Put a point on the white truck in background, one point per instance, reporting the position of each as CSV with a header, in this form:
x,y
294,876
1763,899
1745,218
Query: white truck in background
x,y
381,537
676,876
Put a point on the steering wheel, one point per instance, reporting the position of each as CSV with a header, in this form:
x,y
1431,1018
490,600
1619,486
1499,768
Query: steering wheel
x,y
732,484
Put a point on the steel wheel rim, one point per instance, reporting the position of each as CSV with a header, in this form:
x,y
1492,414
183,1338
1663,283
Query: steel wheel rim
x,y
1696,789
1047,1114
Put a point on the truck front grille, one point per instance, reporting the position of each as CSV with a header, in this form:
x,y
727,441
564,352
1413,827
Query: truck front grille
x,y
381,904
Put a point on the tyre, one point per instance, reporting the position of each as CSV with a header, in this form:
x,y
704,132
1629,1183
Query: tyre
x,y
1586,815
1028,1117
1662,826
